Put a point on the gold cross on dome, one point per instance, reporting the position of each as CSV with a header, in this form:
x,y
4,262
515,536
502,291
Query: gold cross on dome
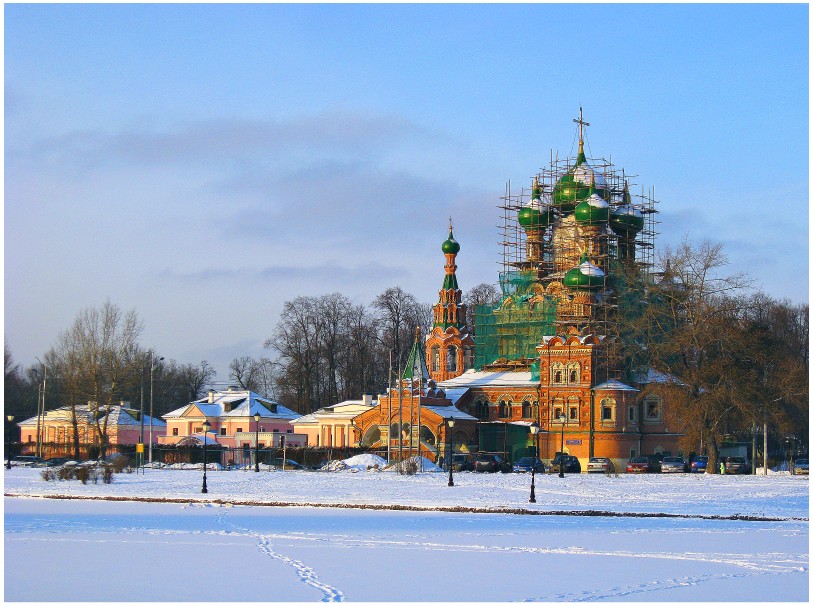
x,y
580,121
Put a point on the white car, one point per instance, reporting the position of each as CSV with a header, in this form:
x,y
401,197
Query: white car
x,y
600,465
673,465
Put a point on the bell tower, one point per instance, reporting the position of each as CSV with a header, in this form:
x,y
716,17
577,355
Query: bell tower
x,y
449,347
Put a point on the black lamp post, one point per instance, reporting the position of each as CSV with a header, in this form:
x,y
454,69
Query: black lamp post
x,y
562,420
450,424
257,442
206,426
9,418
535,434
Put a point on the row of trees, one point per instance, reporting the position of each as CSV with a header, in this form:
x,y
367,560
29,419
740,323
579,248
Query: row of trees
x,y
741,358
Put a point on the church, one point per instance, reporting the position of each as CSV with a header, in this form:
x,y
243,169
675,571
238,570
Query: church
x,y
558,350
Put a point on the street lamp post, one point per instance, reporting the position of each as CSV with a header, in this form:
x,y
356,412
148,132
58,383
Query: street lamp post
x,y
257,442
562,420
9,418
206,426
535,434
153,361
450,423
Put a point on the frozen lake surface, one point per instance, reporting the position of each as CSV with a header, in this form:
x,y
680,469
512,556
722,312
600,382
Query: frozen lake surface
x,y
199,550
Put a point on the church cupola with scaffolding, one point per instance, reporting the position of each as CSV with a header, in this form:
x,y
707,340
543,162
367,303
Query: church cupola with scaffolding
x,y
449,347
571,244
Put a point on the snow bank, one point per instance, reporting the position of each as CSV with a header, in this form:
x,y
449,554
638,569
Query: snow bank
x,y
366,461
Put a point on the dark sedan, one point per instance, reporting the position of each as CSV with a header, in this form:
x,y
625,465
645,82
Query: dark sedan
x,y
571,464
491,463
800,467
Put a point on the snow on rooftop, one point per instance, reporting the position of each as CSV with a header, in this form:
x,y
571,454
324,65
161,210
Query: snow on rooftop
x,y
475,378
614,384
449,412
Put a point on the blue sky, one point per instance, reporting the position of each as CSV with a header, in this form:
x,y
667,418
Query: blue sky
x,y
204,164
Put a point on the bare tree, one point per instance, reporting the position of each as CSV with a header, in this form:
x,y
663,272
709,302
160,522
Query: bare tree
x,y
482,294
92,360
691,315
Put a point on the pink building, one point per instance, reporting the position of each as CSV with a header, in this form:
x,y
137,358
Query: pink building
x,y
123,424
231,418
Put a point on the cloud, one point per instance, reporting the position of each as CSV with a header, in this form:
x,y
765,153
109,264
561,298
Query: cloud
x,y
224,140
272,274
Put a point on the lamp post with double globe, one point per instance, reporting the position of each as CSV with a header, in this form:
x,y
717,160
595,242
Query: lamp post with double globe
x,y
535,434
257,442
206,426
9,418
450,424
562,420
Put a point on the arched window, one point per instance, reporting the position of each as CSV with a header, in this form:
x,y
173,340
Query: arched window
x,y
505,409
573,373
468,358
451,359
527,410
435,358
405,429
394,430
557,373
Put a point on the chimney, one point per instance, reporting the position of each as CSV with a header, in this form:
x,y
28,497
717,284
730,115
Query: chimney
x,y
367,399
211,396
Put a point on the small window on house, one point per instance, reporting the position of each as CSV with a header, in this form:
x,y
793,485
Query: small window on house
x,y
239,429
557,376
558,411
435,359
393,430
174,431
527,410
633,453
632,414
276,431
653,409
289,431
574,413
222,431
606,413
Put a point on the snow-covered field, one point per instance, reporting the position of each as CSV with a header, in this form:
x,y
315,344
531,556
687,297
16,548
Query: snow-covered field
x,y
203,548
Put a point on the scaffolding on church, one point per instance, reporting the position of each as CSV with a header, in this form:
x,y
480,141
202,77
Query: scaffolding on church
x,y
534,303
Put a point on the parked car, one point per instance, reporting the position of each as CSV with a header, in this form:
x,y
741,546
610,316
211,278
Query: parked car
x,y
699,464
27,461
655,462
638,465
572,464
673,465
737,465
524,465
800,467
462,462
600,465
491,463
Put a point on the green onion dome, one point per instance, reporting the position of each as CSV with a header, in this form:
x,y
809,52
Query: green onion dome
x,y
626,220
584,276
536,214
592,211
450,246
574,185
